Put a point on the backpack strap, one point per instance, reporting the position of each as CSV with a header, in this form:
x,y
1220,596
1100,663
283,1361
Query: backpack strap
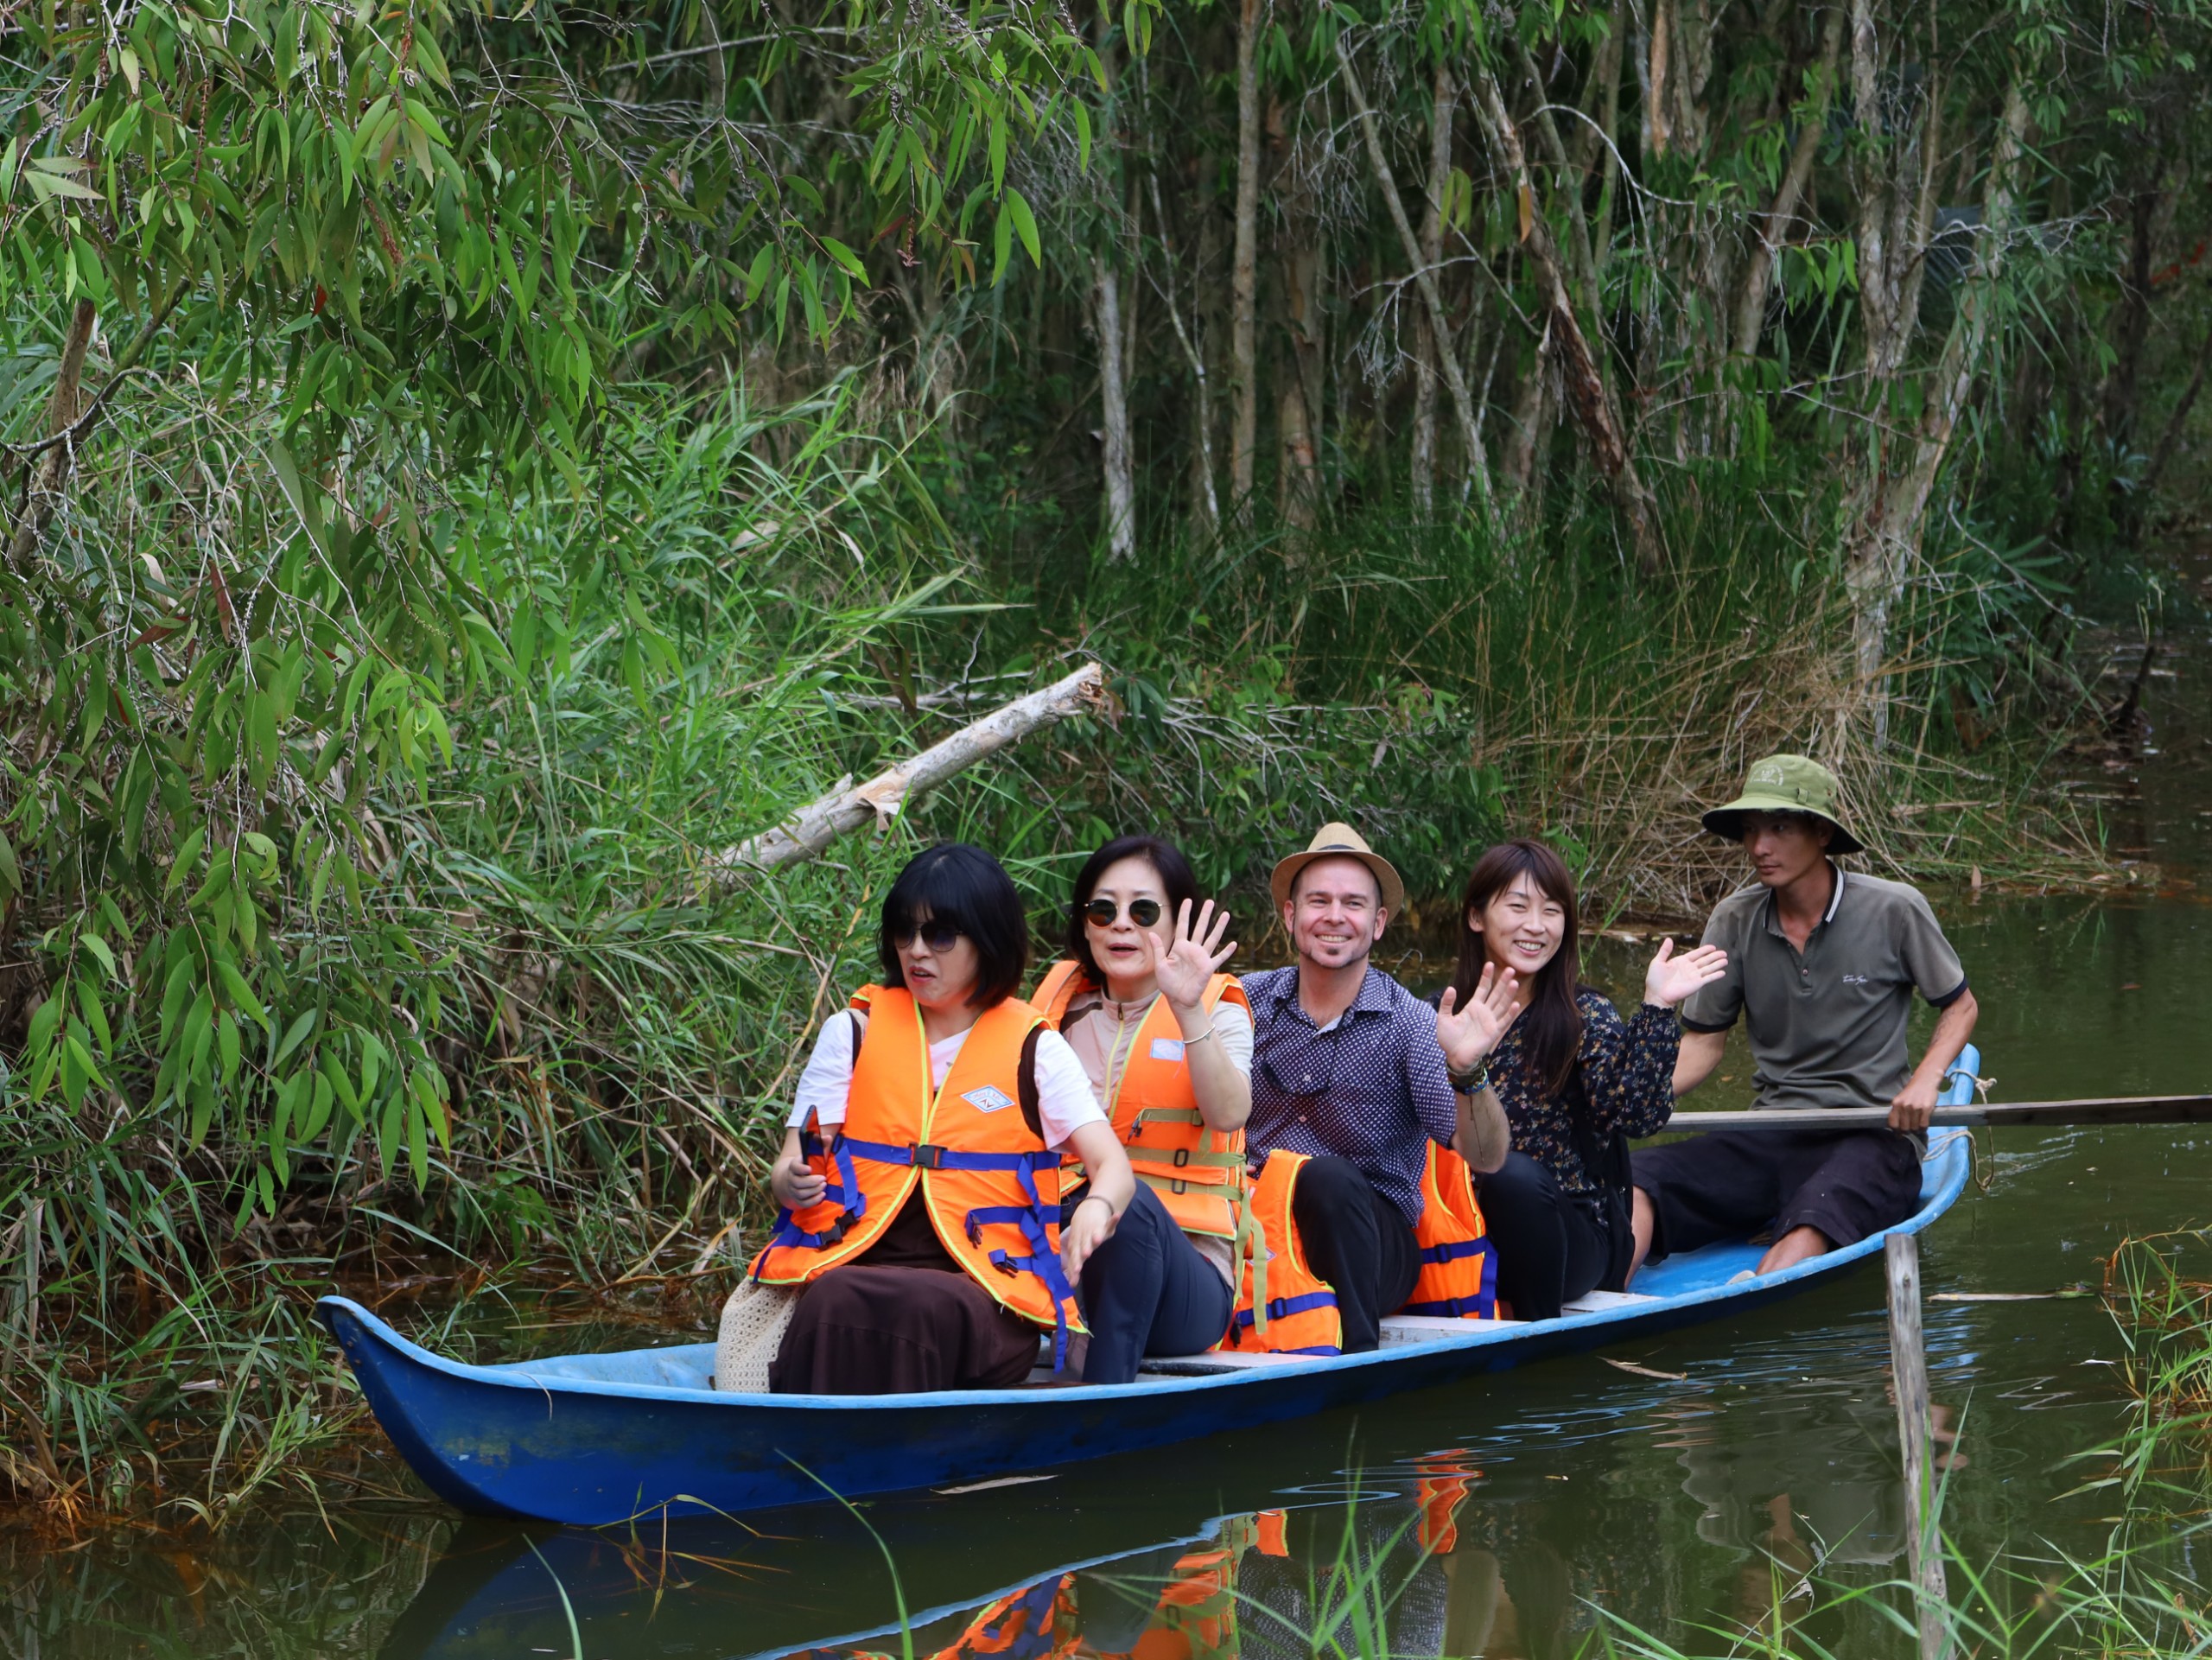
x,y
1025,1085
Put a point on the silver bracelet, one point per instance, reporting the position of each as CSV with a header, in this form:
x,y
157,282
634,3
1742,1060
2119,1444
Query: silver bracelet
x,y
1201,1038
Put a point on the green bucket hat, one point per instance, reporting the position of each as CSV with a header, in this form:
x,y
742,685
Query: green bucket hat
x,y
1783,784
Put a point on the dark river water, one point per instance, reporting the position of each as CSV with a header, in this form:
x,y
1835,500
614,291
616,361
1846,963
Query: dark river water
x,y
1514,1515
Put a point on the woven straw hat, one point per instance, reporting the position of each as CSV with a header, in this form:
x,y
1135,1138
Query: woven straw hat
x,y
1339,841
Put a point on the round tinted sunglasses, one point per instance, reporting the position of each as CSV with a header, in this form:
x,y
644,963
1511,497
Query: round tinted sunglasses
x,y
1143,912
934,935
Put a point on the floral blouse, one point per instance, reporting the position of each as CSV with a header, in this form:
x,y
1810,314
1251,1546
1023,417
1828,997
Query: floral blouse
x,y
1628,1071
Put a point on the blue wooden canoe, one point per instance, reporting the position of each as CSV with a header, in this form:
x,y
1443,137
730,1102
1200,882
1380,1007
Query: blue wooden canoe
x,y
600,1438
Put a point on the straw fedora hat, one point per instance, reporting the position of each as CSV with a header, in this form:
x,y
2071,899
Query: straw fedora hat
x,y
1338,841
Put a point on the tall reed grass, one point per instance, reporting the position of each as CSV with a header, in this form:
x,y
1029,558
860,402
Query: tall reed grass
x,y
735,611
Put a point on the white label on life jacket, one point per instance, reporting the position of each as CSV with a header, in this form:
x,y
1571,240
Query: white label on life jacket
x,y
987,1099
1167,1048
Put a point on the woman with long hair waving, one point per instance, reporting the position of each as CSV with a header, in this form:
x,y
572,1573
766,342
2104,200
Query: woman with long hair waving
x,y
1576,1081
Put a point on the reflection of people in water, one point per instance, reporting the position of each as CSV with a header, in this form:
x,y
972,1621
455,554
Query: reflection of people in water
x,y
1174,1603
1811,1491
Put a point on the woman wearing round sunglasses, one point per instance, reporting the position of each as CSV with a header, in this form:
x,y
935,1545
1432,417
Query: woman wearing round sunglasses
x,y
1166,1042
932,1121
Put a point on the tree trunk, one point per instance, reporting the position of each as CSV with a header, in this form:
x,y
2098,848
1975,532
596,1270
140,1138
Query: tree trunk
x,y
1427,348
1205,506
1297,479
1885,538
1581,383
1773,226
1308,337
1121,485
2132,328
2177,420
1533,412
1447,358
1243,278
50,472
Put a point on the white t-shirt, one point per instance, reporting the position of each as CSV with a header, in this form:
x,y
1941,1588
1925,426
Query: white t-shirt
x,y
1064,1101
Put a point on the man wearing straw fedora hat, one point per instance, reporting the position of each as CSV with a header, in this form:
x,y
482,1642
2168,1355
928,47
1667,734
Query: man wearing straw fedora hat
x,y
1347,1070
1822,966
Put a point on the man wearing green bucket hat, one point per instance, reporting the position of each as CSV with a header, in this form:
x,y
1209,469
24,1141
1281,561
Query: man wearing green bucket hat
x,y
1822,966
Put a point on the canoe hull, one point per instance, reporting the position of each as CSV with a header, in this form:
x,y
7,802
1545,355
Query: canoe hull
x,y
562,1453
595,1440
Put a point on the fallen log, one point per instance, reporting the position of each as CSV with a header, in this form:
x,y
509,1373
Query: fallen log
x,y
2048,1115
850,807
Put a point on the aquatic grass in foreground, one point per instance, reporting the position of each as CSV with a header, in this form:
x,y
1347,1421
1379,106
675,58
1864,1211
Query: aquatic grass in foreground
x,y
2141,1598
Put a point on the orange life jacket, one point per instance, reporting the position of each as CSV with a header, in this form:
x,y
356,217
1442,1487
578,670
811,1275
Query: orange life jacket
x,y
1199,1173
1444,1483
1035,1622
1458,1269
1271,1532
1195,1617
1282,1308
992,1190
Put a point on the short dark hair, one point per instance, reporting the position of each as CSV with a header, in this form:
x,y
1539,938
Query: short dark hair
x,y
1175,878
956,883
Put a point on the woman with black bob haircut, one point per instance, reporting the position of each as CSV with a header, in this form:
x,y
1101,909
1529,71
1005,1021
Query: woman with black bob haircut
x,y
1165,1039
961,887
920,1175
1576,1081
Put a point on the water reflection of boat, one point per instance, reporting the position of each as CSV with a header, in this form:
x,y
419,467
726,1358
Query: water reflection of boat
x,y
602,1438
1230,1588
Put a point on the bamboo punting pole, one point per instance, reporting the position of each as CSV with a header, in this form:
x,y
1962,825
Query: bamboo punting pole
x,y
2049,1114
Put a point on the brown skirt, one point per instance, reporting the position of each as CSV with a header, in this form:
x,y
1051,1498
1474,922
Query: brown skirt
x,y
903,1318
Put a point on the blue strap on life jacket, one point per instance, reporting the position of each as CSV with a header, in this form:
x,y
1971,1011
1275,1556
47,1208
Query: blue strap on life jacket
x,y
845,1191
1043,1261
1452,1249
1484,1304
1278,1308
1481,1307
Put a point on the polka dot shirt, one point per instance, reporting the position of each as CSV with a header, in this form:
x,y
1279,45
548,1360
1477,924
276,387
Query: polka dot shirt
x,y
1371,1088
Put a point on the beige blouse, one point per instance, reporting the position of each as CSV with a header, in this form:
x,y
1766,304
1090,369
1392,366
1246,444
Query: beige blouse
x,y
1103,1034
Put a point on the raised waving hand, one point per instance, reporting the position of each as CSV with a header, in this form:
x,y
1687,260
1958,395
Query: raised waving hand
x,y
1671,978
1181,965
1467,1034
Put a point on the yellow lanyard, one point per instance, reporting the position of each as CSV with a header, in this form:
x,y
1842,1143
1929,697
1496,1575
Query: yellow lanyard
x,y
1117,1072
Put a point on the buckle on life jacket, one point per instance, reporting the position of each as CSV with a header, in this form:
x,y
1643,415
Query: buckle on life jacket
x,y
927,1157
1182,1155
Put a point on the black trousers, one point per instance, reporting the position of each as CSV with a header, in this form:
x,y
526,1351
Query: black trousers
x,y
1357,1240
1848,1184
1148,1291
1550,1250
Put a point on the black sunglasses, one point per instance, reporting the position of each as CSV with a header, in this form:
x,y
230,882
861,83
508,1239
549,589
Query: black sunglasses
x,y
934,935
1143,912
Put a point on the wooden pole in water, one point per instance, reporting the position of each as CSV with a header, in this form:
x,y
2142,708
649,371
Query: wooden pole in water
x,y
1908,1364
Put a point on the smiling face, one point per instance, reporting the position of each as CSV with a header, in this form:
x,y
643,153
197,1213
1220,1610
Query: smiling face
x,y
1785,846
940,979
1118,946
1522,927
1335,913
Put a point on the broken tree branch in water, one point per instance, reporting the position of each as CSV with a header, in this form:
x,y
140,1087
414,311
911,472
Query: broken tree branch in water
x,y
850,807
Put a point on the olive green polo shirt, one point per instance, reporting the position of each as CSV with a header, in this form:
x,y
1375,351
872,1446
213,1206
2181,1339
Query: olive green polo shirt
x,y
1827,1026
